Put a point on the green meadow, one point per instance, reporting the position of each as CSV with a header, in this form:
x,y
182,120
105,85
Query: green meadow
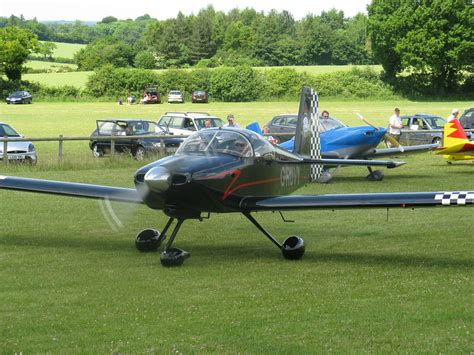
x,y
67,50
371,281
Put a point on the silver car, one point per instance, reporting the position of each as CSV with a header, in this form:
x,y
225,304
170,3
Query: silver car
x,y
416,127
175,96
17,151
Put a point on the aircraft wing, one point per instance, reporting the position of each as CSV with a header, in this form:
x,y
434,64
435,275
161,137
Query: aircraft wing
x,y
366,200
411,149
346,162
70,189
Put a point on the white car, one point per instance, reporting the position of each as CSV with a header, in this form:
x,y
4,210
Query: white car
x,y
185,123
175,96
17,151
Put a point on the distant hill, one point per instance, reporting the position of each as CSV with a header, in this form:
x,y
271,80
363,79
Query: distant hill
x,y
65,22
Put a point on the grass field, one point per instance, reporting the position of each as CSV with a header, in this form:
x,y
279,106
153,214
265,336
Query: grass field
x,y
371,281
67,50
37,64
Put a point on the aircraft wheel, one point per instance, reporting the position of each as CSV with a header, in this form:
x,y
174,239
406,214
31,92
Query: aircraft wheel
x,y
173,257
376,175
293,248
325,177
148,240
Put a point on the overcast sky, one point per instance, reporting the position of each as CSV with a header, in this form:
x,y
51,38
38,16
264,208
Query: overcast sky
x,y
95,10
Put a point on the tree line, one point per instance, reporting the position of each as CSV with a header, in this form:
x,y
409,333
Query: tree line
x,y
212,38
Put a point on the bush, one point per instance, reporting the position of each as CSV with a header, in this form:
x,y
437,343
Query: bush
x,y
145,60
236,84
352,84
284,82
174,79
114,82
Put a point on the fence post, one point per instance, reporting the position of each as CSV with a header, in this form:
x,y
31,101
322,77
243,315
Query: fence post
x,y
112,147
60,156
5,150
162,147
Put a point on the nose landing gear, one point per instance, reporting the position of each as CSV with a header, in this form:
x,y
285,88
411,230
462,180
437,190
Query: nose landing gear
x,y
150,240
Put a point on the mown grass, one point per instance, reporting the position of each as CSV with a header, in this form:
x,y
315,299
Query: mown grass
x,y
67,50
37,64
370,281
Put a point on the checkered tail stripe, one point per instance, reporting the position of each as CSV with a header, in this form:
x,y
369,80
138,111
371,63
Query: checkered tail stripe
x,y
315,150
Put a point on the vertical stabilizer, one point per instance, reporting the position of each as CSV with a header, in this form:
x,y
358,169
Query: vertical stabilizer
x,y
453,134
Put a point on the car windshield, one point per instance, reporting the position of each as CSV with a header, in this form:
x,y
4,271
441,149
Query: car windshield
x,y
175,93
17,93
200,92
213,122
435,122
144,127
214,141
6,130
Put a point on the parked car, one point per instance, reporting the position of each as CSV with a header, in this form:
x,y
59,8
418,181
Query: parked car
x,y
138,148
175,96
467,121
20,97
420,123
17,151
184,123
200,96
286,124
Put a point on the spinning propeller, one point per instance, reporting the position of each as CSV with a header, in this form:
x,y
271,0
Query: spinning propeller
x,y
387,136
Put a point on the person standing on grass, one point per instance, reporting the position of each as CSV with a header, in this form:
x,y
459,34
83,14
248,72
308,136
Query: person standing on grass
x,y
454,115
395,125
231,121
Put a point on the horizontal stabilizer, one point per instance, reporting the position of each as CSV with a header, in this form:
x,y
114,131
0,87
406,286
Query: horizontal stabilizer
x,y
347,162
70,189
368,200
411,149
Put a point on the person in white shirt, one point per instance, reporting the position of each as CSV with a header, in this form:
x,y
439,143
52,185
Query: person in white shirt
x,y
395,125
231,121
454,115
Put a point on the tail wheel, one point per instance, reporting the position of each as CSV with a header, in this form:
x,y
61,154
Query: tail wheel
x,y
139,153
97,152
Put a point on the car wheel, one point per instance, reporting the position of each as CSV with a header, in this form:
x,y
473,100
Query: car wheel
x,y
437,140
139,153
97,152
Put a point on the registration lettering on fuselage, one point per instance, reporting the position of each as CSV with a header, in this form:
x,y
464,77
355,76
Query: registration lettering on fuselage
x,y
289,175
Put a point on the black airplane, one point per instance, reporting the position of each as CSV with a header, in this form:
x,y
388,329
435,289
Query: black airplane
x,y
224,170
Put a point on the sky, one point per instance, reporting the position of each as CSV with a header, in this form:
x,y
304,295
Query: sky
x,y
95,10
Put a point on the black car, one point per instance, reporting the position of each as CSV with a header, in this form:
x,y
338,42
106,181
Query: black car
x,y
138,148
20,97
200,96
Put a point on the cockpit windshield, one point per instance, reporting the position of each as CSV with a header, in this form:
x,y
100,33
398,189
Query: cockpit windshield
x,y
327,124
212,141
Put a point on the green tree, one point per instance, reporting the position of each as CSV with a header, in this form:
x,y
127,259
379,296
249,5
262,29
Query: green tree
x,y
104,51
145,60
46,49
16,44
428,38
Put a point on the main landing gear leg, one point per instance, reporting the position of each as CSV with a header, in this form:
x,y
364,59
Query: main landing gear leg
x,y
151,239
292,248
375,175
174,256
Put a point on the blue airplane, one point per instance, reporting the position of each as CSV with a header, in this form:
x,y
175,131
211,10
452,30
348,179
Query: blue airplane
x,y
339,141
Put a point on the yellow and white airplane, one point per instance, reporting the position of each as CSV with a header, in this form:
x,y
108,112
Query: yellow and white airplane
x,y
456,146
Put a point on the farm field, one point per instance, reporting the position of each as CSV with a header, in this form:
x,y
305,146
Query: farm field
x,y
37,64
67,50
79,79
371,281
